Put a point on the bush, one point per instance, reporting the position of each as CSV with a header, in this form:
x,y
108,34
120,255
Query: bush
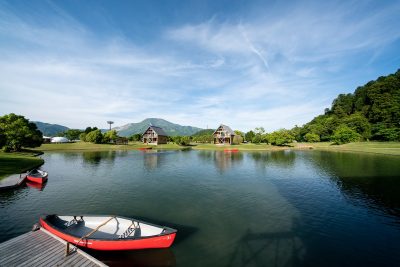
x,y
110,136
343,134
311,137
280,138
237,139
387,134
94,137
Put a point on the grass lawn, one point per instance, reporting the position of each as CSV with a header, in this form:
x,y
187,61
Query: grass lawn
x,y
387,148
83,146
12,163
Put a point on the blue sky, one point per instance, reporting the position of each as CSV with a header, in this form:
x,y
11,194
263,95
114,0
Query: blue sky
x,y
242,63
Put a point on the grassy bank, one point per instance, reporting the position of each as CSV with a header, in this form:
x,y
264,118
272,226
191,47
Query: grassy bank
x,y
387,148
83,146
241,147
11,163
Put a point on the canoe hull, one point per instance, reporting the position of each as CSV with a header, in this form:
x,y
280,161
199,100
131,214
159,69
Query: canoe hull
x,y
159,241
37,176
38,180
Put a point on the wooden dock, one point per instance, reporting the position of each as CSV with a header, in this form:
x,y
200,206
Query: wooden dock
x,y
42,248
12,181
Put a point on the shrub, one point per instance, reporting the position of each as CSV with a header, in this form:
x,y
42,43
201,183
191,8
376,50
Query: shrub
x,y
311,137
343,134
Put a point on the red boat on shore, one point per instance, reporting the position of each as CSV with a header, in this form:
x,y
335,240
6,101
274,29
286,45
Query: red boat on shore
x,y
37,176
231,150
145,148
108,232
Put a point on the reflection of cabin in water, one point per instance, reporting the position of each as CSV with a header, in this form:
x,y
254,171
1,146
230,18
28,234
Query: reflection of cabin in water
x,y
154,136
223,135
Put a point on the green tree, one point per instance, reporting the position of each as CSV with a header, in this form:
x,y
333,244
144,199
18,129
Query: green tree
x,y
359,123
281,137
237,132
82,137
387,134
110,136
72,134
90,129
135,137
344,134
249,136
18,132
257,139
94,137
311,137
237,139
259,130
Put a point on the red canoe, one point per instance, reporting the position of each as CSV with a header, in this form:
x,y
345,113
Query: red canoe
x,y
108,232
231,150
37,176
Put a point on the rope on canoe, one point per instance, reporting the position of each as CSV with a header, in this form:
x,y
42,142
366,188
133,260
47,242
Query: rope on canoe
x,y
92,232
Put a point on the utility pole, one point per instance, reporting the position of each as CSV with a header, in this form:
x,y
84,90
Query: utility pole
x,y
110,122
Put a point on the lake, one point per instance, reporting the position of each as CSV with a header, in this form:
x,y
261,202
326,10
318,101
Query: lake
x,y
284,208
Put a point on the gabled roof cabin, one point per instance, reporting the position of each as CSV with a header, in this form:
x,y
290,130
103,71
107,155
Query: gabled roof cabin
x,y
223,135
154,136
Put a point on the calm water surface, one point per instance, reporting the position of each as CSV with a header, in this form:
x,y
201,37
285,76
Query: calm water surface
x,y
303,208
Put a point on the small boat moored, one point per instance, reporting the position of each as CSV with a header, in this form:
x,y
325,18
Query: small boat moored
x,y
37,176
231,150
100,232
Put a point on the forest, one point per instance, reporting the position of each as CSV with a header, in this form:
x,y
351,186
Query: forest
x,y
372,112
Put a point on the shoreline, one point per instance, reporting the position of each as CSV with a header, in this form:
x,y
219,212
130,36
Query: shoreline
x,y
378,148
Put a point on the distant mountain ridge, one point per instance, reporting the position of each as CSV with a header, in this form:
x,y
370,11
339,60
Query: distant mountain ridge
x,y
170,128
48,129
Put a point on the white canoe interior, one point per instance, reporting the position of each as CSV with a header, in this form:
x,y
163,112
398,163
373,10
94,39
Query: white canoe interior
x,y
115,228
37,173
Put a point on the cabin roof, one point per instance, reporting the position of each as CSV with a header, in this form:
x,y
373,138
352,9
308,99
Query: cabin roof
x,y
158,130
226,128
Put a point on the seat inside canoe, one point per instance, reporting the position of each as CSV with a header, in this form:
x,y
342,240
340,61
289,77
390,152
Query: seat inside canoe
x,y
116,228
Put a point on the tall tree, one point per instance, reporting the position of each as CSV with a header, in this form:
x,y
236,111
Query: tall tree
x,y
18,132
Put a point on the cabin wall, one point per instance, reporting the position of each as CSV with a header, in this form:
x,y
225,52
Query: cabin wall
x,y
152,138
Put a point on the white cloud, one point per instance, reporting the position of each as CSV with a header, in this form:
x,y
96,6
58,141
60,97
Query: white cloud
x,y
272,71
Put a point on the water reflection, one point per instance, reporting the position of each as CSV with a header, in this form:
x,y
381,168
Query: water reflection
x,y
147,257
154,158
274,158
36,186
283,248
222,160
364,179
95,158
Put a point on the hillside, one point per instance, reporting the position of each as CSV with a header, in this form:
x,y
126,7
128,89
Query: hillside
x,y
372,111
50,129
204,132
170,128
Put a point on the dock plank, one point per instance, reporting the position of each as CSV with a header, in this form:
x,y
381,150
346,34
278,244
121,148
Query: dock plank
x,y
41,248
21,251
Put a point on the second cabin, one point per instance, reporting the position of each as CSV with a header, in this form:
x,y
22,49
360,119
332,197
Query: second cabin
x,y
223,135
154,136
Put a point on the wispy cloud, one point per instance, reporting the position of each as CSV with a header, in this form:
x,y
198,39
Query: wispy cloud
x,y
274,71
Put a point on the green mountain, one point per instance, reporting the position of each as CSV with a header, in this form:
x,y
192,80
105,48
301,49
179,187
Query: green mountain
x,y
372,112
50,129
170,128
204,132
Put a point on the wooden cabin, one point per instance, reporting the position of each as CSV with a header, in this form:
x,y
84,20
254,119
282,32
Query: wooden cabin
x,y
154,136
223,135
